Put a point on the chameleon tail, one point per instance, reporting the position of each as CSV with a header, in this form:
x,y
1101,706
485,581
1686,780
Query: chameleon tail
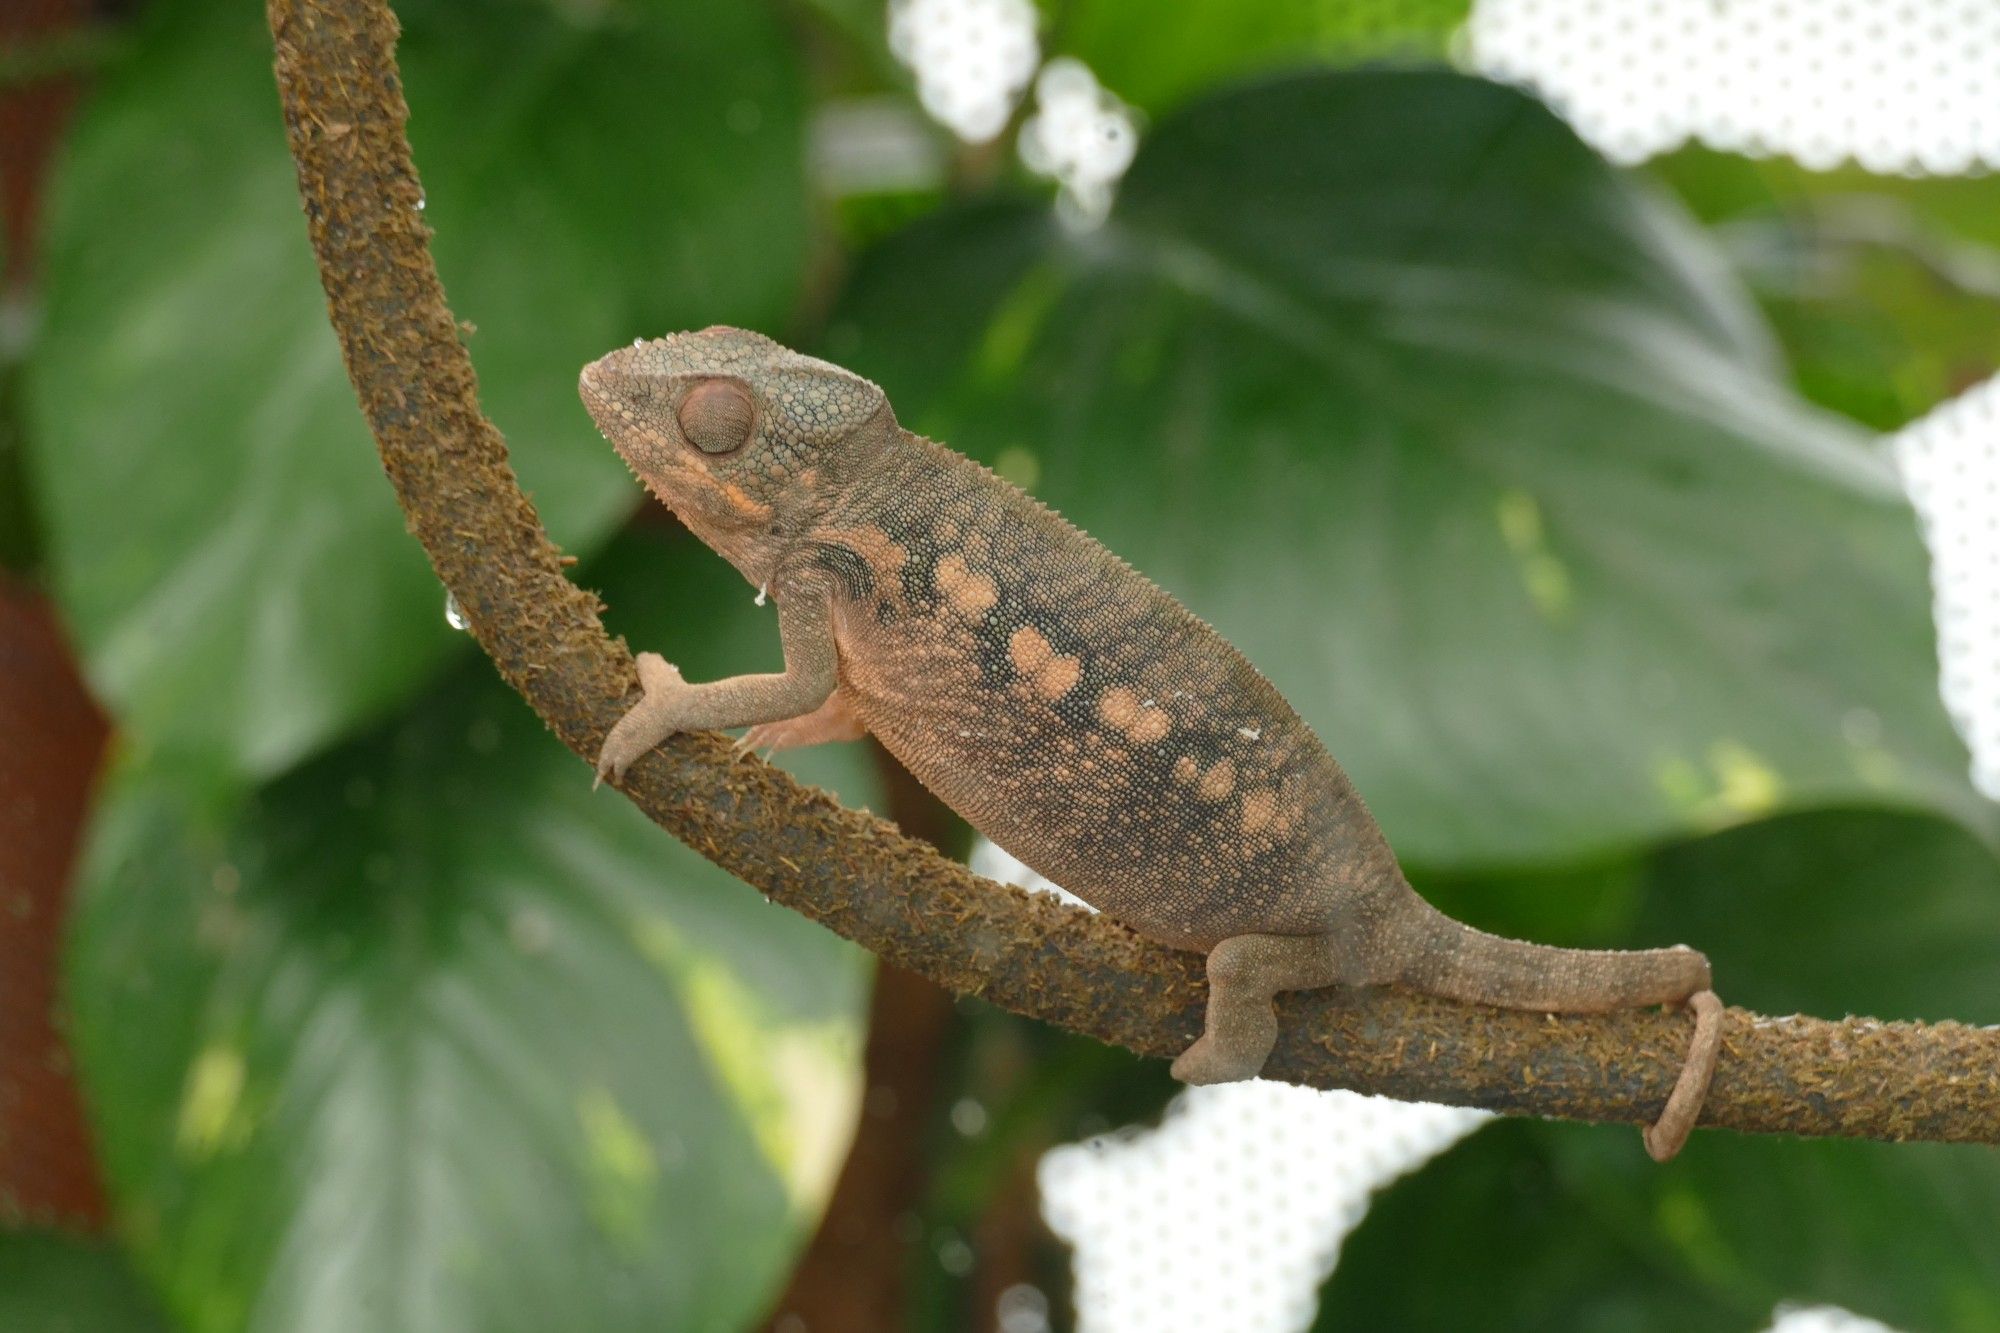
x,y
1450,959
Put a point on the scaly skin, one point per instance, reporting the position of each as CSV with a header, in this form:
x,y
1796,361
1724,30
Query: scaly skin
x,y
1065,706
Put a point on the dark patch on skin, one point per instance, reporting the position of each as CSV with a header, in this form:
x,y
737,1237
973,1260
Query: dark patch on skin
x,y
923,551
1078,708
852,573
992,651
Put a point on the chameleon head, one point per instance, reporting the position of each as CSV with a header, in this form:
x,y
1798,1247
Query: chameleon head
x,y
739,436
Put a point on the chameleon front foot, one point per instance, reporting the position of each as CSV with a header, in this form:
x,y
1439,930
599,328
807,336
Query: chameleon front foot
x,y
1665,1136
650,721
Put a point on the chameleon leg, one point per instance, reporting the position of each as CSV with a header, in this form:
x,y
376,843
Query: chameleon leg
x,y
833,720
670,705
1244,973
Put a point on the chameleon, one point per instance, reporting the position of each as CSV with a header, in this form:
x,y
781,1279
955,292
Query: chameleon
x,y
1065,706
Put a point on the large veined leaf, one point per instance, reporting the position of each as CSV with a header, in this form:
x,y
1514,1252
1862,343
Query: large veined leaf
x,y
431,1035
222,537
1464,438
1831,912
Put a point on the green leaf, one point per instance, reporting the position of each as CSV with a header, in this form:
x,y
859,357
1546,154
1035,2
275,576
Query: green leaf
x,y
56,1284
1490,1236
1460,435
1529,1226
430,1035
1154,62
223,539
1900,1232
1847,912
1830,912
1884,290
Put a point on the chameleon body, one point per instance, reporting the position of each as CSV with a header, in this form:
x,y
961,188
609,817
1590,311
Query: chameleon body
x,y
1069,709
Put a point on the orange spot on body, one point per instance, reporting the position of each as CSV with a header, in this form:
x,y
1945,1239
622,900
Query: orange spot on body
x,y
1029,650
1258,808
875,546
1143,723
971,594
1153,725
1184,768
1056,679
1119,707
1218,782
1049,674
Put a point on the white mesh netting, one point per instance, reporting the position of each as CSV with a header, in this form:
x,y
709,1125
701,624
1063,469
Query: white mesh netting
x,y
1950,463
1895,85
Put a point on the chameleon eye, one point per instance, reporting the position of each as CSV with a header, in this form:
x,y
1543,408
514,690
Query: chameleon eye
x,y
716,417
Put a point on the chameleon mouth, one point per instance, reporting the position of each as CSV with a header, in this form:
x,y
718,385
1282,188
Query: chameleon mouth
x,y
616,399
604,384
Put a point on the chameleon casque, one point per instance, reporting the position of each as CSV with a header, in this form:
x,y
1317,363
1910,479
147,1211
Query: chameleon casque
x,y
1070,710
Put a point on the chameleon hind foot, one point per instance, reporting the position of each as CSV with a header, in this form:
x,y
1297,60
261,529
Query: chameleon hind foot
x,y
1665,1136
1245,973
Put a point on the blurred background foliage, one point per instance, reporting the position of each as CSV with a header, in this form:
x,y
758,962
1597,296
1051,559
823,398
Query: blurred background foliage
x,y
1549,491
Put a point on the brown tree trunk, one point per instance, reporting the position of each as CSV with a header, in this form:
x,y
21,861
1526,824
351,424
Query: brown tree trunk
x,y
51,738
51,732
1010,1238
854,1275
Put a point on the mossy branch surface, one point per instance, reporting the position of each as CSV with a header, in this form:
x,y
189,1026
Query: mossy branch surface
x,y
344,111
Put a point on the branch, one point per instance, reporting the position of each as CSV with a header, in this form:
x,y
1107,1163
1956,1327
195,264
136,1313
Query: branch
x,y
344,112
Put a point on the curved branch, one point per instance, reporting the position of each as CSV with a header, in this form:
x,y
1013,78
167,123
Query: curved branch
x,y
345,113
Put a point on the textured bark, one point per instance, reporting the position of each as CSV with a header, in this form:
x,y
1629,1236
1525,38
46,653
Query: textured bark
x,y
344,111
